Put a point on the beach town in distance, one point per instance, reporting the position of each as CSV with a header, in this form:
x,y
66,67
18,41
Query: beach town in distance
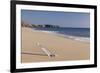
x,y
47,40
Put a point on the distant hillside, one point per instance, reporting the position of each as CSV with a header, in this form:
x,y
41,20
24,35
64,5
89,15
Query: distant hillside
x,y
39,26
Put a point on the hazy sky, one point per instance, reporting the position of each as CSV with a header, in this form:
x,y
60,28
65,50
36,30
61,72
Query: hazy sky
x,y
63,19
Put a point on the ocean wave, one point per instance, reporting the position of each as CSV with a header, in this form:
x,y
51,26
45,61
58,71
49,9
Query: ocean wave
x,y
77,38
49,31
84,39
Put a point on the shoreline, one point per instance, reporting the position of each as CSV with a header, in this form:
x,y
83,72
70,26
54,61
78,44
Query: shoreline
x,y
65,48
77,38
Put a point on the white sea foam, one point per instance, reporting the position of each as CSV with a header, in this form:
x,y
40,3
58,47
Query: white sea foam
x,y
50,31
77,38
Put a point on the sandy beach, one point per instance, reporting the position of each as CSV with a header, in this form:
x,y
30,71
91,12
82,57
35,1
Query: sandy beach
x,y
65,49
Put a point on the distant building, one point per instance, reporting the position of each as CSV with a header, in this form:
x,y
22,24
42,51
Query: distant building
x,y
51,26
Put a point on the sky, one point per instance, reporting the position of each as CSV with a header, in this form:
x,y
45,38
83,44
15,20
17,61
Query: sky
x,y
62,19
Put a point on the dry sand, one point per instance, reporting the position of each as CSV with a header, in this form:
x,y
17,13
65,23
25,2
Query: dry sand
x,y
64,48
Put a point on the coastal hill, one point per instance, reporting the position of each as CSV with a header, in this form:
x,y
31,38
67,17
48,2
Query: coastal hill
x,y
39,26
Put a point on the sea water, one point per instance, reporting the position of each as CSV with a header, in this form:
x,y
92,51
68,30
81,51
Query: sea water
x,y
81,34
